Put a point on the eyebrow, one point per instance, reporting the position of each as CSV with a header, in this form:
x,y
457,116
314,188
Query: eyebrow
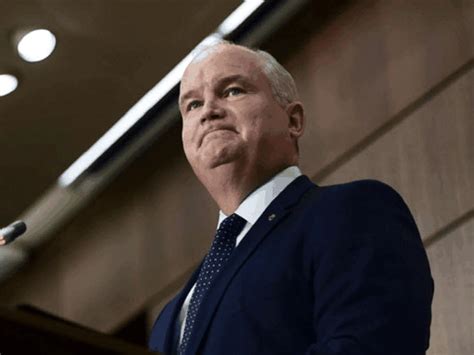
x,y
221,82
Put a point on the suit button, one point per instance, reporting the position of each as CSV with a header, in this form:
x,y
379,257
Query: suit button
x,y
271,217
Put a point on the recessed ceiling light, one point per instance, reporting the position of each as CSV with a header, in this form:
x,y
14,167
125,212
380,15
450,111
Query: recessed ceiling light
x,y
36,45
8,84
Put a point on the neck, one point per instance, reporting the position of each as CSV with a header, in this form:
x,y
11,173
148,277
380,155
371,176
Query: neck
x,y
230,185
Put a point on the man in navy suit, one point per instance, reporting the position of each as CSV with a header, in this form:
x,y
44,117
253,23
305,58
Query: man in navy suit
x,y
311,270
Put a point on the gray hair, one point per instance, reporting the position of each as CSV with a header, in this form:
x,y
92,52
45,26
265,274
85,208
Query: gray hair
x,y
281,82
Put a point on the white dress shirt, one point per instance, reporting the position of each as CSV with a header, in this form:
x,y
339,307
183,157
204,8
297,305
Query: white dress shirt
x,y
250,209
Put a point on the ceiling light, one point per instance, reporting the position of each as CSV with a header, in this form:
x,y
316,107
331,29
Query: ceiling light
x,y
236,18
8,83
36,45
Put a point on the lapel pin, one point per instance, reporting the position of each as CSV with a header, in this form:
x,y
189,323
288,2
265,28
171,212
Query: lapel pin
x,y
272,217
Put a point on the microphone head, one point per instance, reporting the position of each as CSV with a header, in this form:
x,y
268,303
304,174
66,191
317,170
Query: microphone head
x,y
11,232
19,227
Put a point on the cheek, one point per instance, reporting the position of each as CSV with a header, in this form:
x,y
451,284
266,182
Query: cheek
x,y
252,119
261,123
250,128
186,139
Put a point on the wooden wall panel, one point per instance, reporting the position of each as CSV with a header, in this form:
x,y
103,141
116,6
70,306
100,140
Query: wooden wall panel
x,y
370,63
452,266
37,283
110,251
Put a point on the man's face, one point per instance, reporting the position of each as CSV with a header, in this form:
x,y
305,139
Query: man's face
x,y
230,115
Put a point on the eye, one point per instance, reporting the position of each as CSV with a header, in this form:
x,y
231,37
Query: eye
x,y
192,105
233,91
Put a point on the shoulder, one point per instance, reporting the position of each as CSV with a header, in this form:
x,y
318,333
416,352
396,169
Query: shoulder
x,y
363,206
360,194
358,187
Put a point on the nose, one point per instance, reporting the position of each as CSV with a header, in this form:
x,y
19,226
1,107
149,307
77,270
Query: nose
x,y
212,110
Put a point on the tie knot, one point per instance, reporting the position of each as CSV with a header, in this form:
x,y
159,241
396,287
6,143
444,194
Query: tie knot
x,y
232,224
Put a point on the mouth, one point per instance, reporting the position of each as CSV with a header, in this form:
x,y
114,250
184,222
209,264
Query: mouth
x,y
230,129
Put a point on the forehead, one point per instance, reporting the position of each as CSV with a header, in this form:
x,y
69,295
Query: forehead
x,y
220,63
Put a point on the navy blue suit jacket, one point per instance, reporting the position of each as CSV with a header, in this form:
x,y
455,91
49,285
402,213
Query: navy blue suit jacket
x,y
336,270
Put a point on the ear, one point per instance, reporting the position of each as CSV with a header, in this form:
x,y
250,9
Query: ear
x,y
296,122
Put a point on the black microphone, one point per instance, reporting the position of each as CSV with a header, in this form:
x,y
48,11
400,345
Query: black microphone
x,y
11,232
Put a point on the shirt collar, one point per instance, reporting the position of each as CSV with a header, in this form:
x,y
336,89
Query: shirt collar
x,y
254,204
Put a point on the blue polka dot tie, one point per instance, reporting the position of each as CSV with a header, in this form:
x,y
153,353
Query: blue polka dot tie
x,y
221,248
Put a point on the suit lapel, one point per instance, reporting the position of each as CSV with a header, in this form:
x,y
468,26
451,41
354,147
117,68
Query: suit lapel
x,y
273,214
172,333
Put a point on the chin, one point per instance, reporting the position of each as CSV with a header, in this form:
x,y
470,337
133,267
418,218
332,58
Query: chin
x,y
219,161
204,168
217,156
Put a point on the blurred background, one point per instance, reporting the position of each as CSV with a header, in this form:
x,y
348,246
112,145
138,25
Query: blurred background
x,y
91,156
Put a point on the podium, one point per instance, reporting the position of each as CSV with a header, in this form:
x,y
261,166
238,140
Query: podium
x,y
27,330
